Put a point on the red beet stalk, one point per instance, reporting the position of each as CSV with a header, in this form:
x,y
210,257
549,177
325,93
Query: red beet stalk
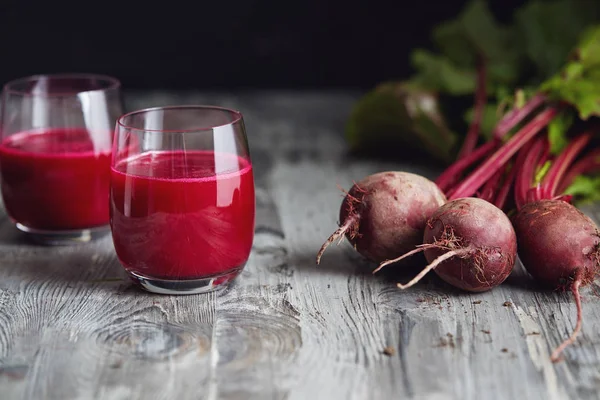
x,y
516,115
477,178
491,187
526,164
480,99
561,164
589,163
453,173
502,195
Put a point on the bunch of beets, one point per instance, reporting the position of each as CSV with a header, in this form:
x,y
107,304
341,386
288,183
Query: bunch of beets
x,y
497,195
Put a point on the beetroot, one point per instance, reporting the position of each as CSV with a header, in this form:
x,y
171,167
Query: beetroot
x,y
559,247
469,243
384,214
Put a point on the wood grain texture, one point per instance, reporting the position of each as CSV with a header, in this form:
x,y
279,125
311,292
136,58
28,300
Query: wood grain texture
x,y
72,327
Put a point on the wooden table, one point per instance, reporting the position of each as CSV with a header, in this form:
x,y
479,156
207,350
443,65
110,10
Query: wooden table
x,y
72,326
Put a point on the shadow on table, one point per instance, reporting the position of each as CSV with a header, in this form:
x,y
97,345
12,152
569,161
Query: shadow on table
x,y
336,260
9,235
90,263
518,279
343,260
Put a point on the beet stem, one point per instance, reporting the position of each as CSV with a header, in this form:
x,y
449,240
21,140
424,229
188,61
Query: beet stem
x,y
433,265
451,174
480,99
516,115
491,187
338,234
562,163
477,178
555,357
589,163
502,195
527,160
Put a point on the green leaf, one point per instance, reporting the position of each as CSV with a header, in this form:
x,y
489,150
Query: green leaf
x,y
534,48
474,33
439,74
398,113
548,31
558,130
588,51
520,98
585,189
579,81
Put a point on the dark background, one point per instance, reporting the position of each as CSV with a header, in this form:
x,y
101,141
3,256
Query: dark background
x,y
241,44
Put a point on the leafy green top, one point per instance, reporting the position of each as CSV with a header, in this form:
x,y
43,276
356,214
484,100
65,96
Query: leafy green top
x,y
524,53
578,83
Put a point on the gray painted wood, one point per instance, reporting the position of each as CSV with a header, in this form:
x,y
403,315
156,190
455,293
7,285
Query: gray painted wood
x,y
72,327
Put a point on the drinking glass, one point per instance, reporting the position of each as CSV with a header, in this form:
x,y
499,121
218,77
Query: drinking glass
x,y
182,197
56,133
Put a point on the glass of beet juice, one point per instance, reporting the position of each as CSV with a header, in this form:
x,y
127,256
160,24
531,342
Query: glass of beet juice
x,y
56,139
182,197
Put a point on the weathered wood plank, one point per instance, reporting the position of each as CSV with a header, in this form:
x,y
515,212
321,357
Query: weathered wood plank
x,y
76,334
258,332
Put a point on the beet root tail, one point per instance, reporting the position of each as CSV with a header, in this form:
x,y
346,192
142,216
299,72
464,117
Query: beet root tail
x,y
556,354
403,256
338,234
433,265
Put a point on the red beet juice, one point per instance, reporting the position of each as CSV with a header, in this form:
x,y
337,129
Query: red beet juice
x,y
55,179
182,215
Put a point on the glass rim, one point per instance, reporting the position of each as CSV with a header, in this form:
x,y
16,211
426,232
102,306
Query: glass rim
x,y
237,118
112,84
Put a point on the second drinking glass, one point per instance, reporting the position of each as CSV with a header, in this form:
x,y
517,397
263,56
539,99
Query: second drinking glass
x,y
55,154
182,197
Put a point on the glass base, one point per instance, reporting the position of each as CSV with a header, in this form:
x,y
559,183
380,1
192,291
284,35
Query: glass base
x,y
186,286
63,238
